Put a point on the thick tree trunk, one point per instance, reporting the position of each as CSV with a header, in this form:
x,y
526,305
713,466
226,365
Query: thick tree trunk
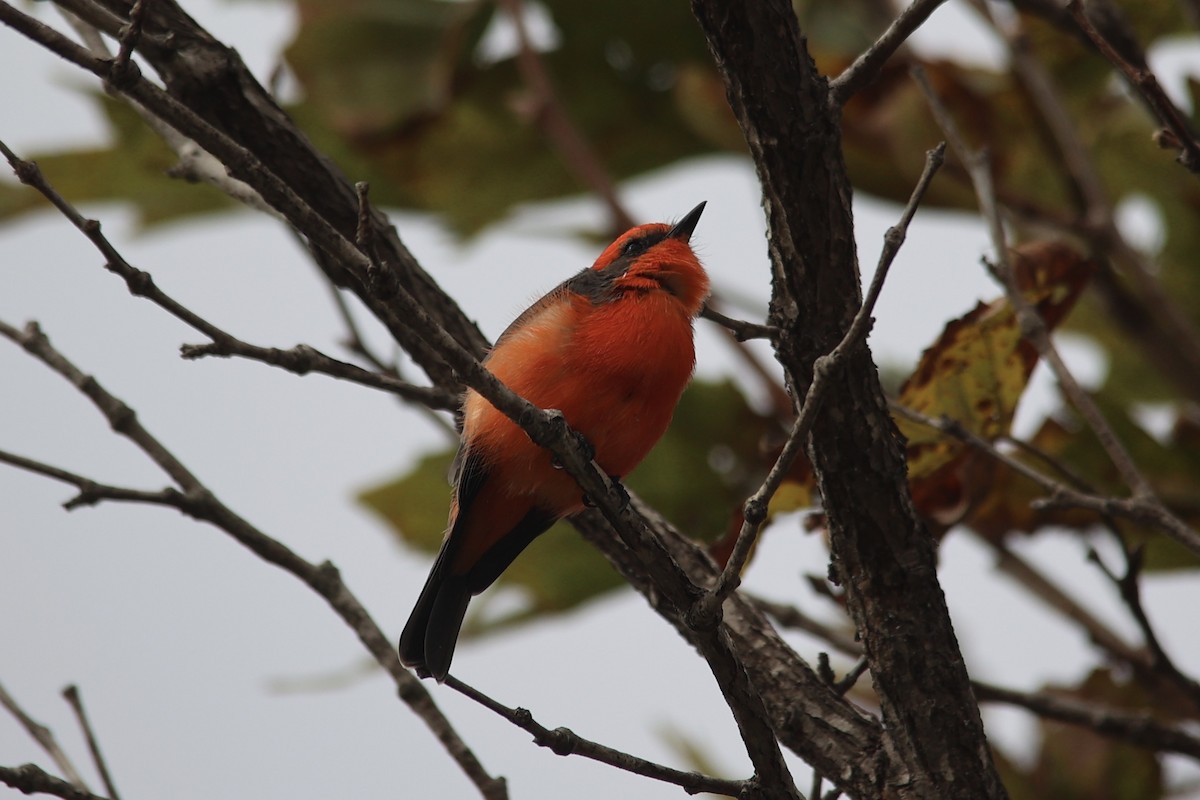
x,y
882,555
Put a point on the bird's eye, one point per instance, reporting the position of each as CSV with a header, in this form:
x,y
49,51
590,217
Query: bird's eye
x,y
634,246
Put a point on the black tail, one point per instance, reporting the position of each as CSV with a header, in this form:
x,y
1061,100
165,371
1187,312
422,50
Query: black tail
x,y
427,643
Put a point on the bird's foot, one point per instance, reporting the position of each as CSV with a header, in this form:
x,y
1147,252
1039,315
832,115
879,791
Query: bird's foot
x,y
582,442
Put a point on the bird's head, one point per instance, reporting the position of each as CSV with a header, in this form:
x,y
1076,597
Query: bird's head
x,y
658,257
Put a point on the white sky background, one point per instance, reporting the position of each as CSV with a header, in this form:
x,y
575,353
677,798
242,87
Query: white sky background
x,y
174,632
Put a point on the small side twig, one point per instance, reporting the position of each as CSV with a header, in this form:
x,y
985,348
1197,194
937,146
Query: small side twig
x,y
565,742
71,693
867,66
303,359
548,111
1129,586
131,35
742,331
194,499
45,738
1146,84
1034,329
1058,494
300,360
755,509
32,779
847,681
1135,728
789,616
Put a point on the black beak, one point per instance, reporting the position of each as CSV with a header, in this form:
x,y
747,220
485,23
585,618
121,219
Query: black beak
x,y
683,229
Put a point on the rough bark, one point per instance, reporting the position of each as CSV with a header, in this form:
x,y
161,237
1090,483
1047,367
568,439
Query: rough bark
x,y
933,737
882,555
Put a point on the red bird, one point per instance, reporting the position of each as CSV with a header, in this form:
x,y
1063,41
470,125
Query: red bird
x,y
611,348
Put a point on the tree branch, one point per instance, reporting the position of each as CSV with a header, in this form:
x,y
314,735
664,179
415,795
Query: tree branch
x,y
866,67
1146,84
548,111
32,779
45,738
755,508
301,359
565,742
71,693
198,502
1034,329
1138,729
933,743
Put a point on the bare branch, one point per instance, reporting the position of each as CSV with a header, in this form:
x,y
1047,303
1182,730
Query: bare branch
x,y
45,738
198,502
32,779
1146,84
577,153
195,163
565,742
131,34
1130,588
867,66
301,359
741,330
788,616
1034,329
1139,729
755,510
1164,331
71,693
90,492
351,264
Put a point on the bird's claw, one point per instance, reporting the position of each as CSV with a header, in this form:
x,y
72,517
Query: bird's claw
x,y
581,441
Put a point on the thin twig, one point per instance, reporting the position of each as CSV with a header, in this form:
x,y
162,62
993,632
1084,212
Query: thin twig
x,y
565,742
576,152
1179,337
850,678
1130,588
1059,495
303,359
198,502
131,34
195,163
1033,327
1146,84
32,779
1136,728
755,509
71,693
741,330
789,616
90,492
45,738
867,66
300,360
